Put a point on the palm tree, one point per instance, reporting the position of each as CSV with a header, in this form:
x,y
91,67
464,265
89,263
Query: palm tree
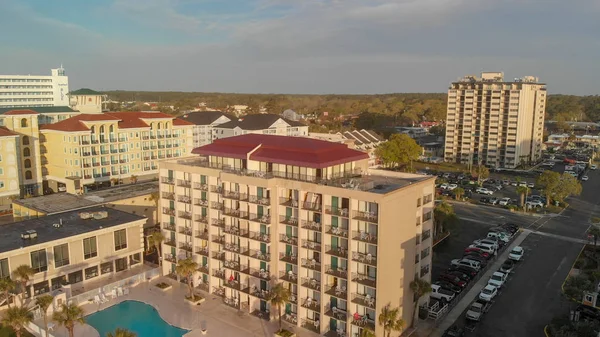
x,y
6,285
594,231
458,192
278,296
156,239
154,196
443,218
44,303
17,317
420,288
186,268
23,274
121,333
68,316
388,319
522,191
366,332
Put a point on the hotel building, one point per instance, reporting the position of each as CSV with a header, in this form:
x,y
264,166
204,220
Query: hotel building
x,y
255,210
34,90
494,122
71,250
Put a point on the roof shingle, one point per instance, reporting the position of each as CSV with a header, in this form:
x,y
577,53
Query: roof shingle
x,y
257,122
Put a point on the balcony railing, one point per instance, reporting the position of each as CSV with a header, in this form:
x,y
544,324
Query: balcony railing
x,y
232,247
312,325
364,322
337,231
312,225
264,274
311,283
365,216
262,218
336,313
202,234
217,205
185,230
171,258
311,264
202,251
169,226
185,246
311,206
201,202
311,245
292,240
337,251
259,200
200,186
364,300
260,255
288,202
201,219
220,239
288,276
171,243
216,189
289,258
364,258
336,271
288,220
166,180
235,195
185,215
311,304
364,279
337,291
203,269
217,222
262,237
234,265
365,237
218,256
338,211
184,199
219,273
168,211
184,183
235,213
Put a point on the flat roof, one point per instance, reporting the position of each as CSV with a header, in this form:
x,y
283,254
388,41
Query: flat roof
x,y
380,181
62,202
72,224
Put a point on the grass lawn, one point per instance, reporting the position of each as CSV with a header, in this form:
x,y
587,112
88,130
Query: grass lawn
x,y
8,332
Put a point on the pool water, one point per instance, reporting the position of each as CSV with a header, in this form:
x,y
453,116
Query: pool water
x,y
134,316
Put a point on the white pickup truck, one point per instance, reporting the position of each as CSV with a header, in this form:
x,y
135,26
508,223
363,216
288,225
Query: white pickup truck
x,y
440,293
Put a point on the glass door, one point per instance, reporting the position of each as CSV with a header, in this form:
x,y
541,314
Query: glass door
x,y
334,203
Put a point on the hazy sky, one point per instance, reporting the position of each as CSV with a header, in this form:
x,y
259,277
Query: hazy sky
x,y
302,46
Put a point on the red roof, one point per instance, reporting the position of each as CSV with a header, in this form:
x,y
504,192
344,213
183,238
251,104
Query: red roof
x,y
297,151
75,123
4,132
21,112
126,120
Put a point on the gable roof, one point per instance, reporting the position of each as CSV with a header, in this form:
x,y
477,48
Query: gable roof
x,y
75,123
126,120
257,122
41,109
297,151
86,91
20,112
205,117
4,132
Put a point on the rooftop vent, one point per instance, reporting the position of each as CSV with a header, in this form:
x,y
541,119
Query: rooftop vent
x,y
94,215
29,235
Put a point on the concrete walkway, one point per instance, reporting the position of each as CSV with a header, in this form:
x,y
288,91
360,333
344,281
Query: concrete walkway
x,y
464,303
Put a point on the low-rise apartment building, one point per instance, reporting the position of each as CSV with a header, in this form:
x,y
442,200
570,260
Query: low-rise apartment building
x,y
70,250
204,123
253,210
95,148
267,124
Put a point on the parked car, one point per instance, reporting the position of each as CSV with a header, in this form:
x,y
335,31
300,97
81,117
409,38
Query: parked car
x,y
488,242
444,186
448,286
510,227
516,254
504,201
494,200
452,186
488,293
530,185
440,293
497,279
501,230
469,251
584,178
588,313
484,200
460,275
534,204
464,269
454,331
453,279
477,258
523,184
499,235
505,182
507,267
488,249
469,263
477,309
593,167
483,190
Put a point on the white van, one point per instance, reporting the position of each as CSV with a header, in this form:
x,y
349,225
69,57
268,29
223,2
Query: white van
x,y
470,263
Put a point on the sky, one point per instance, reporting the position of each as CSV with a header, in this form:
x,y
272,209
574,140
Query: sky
x,y
302,46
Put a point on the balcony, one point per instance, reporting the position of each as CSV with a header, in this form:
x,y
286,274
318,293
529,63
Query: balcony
x,y
262,218
261,273
365,237
336,313
201,187
338,271
292,240
233,284
201,202
289,276
169,226
218,223
259,200
184,199
363,322
170,242
312,225
220,239
313,245
288,220
364,280
257,254
218,256
311,303
203,234
289,202
292,318
201,219
185,215
365,216
289,258
169,211
364,300
337,251
339,292
235,213
311,264
184,183
202,251
185,230
232,247
219,273
235,195
311,206
337,231
171,258
166,180
312,325
234,265
262,237
217,205
311,283
185,246
216,189
336,211
364,258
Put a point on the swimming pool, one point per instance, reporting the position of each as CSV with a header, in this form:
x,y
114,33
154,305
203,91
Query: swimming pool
x,y
135,316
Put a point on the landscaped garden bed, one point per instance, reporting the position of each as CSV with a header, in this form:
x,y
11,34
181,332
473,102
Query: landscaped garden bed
x,y
195,300
284,333
163,286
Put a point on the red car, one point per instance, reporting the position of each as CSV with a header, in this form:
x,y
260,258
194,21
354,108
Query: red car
x,y
478,252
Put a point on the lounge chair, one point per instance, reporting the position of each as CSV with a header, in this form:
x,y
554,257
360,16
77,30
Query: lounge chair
x,y
97,299
119,291
125,291
103,298
113,294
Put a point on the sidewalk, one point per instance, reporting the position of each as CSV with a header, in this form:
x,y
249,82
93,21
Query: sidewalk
x,y
464,303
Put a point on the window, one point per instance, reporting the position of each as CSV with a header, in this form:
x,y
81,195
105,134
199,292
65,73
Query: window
x,y
4,271
61,255
426,234
41,287
419,202
106,268
134,259
91,272
38,261
28,175
427,216
90,249
58,282
120,239
24,122
25,140
121,264
75,277
27,163
26,152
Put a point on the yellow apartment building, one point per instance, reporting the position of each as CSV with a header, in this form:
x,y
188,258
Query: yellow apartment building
x,y
253,210
87,101
9,168
90,149
69,251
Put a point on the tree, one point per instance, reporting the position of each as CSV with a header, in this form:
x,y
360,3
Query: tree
x,y
23,274
575,286
481,173
522,191
68,316
6,285
438,130
420,288
548,181
134,179
278,296
458,192
444,218
121,333
389,320
44,303
400,149
557,186
156,239
366,332
594,231
186,268
17,317
155,196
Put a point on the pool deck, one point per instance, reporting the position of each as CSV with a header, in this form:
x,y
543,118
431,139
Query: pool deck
x,y
212,315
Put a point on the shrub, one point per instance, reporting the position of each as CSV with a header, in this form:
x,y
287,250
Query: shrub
x,y
163,285
284,333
